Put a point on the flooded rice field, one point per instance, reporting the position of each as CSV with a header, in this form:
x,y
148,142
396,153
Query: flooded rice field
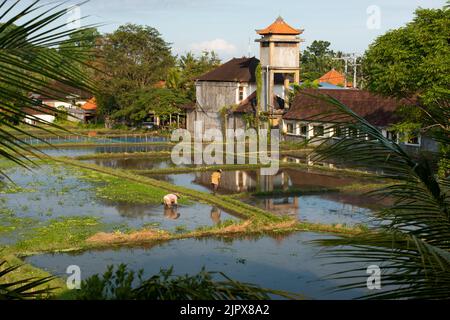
x,y
288,263
51,192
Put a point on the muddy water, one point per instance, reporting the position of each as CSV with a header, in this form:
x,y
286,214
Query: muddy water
x,y
134,163
287,263
50,192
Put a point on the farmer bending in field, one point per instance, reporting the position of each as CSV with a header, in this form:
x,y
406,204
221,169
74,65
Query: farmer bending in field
x,y
171,200
215,180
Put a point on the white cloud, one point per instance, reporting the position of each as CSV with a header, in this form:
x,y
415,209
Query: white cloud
x,y
217,45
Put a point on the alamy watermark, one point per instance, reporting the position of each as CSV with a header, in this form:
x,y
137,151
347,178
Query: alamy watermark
x,y
374,17
73,281
229,147
374,279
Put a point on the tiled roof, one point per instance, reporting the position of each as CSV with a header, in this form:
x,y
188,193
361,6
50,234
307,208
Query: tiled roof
x,y
334,77
91,105
240,70
237,69
247,105
378,110
279,27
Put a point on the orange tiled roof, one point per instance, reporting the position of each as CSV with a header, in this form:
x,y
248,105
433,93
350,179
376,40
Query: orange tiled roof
x,y
90,105
335,78
279,27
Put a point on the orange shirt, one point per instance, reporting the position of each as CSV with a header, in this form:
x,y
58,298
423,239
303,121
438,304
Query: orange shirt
x,y
215,178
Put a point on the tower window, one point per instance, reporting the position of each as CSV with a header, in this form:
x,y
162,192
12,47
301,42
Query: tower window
x,y
241,93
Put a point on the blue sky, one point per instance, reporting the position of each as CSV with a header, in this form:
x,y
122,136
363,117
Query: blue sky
x,y
229,25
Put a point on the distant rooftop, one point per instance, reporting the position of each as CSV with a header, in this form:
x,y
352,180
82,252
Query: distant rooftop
x,y
335,78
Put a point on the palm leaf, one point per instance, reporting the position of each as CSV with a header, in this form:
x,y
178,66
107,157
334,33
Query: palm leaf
x,y
36,50
412,241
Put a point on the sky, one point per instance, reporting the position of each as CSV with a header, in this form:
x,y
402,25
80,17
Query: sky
x,y
228,26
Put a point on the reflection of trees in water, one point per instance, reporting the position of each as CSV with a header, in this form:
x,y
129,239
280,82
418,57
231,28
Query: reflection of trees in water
x,y
133,163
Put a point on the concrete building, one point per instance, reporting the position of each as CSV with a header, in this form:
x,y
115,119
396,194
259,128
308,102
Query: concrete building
x,y
233,85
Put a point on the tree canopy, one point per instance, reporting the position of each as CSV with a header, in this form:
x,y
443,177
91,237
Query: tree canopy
x,y
134,59
414,59
414,62
318,59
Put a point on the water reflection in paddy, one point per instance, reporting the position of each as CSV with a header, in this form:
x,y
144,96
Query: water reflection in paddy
x,y
286,262
321,208
87,150
330,207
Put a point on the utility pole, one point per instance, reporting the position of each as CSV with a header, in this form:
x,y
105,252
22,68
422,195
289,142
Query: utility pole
x,y
353,59
355,67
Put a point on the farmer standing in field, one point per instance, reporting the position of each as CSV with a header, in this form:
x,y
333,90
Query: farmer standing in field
x,y
215,180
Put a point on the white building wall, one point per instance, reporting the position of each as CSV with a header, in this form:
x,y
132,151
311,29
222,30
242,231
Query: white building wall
x,y
44,117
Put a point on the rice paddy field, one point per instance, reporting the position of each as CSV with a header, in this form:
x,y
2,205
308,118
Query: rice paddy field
x,y
99,205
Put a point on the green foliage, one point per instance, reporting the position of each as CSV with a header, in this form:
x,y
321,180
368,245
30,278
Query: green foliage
x,y
134,59
123,284
139,104
412,59
414,62
317,60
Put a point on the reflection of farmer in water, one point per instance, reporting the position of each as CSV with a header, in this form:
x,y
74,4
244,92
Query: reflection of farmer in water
x,y
215,180
171,213
215,215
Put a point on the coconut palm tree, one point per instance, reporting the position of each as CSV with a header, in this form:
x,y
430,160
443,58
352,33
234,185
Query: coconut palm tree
x,y
412,244
36,50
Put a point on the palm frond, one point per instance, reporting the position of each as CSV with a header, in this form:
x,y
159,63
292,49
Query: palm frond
x,y
28,288
412,241
35,52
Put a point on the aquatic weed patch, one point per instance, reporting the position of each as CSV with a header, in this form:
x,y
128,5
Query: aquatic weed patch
x,y
59,234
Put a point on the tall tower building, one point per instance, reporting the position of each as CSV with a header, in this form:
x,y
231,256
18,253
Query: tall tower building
x,y
279,56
